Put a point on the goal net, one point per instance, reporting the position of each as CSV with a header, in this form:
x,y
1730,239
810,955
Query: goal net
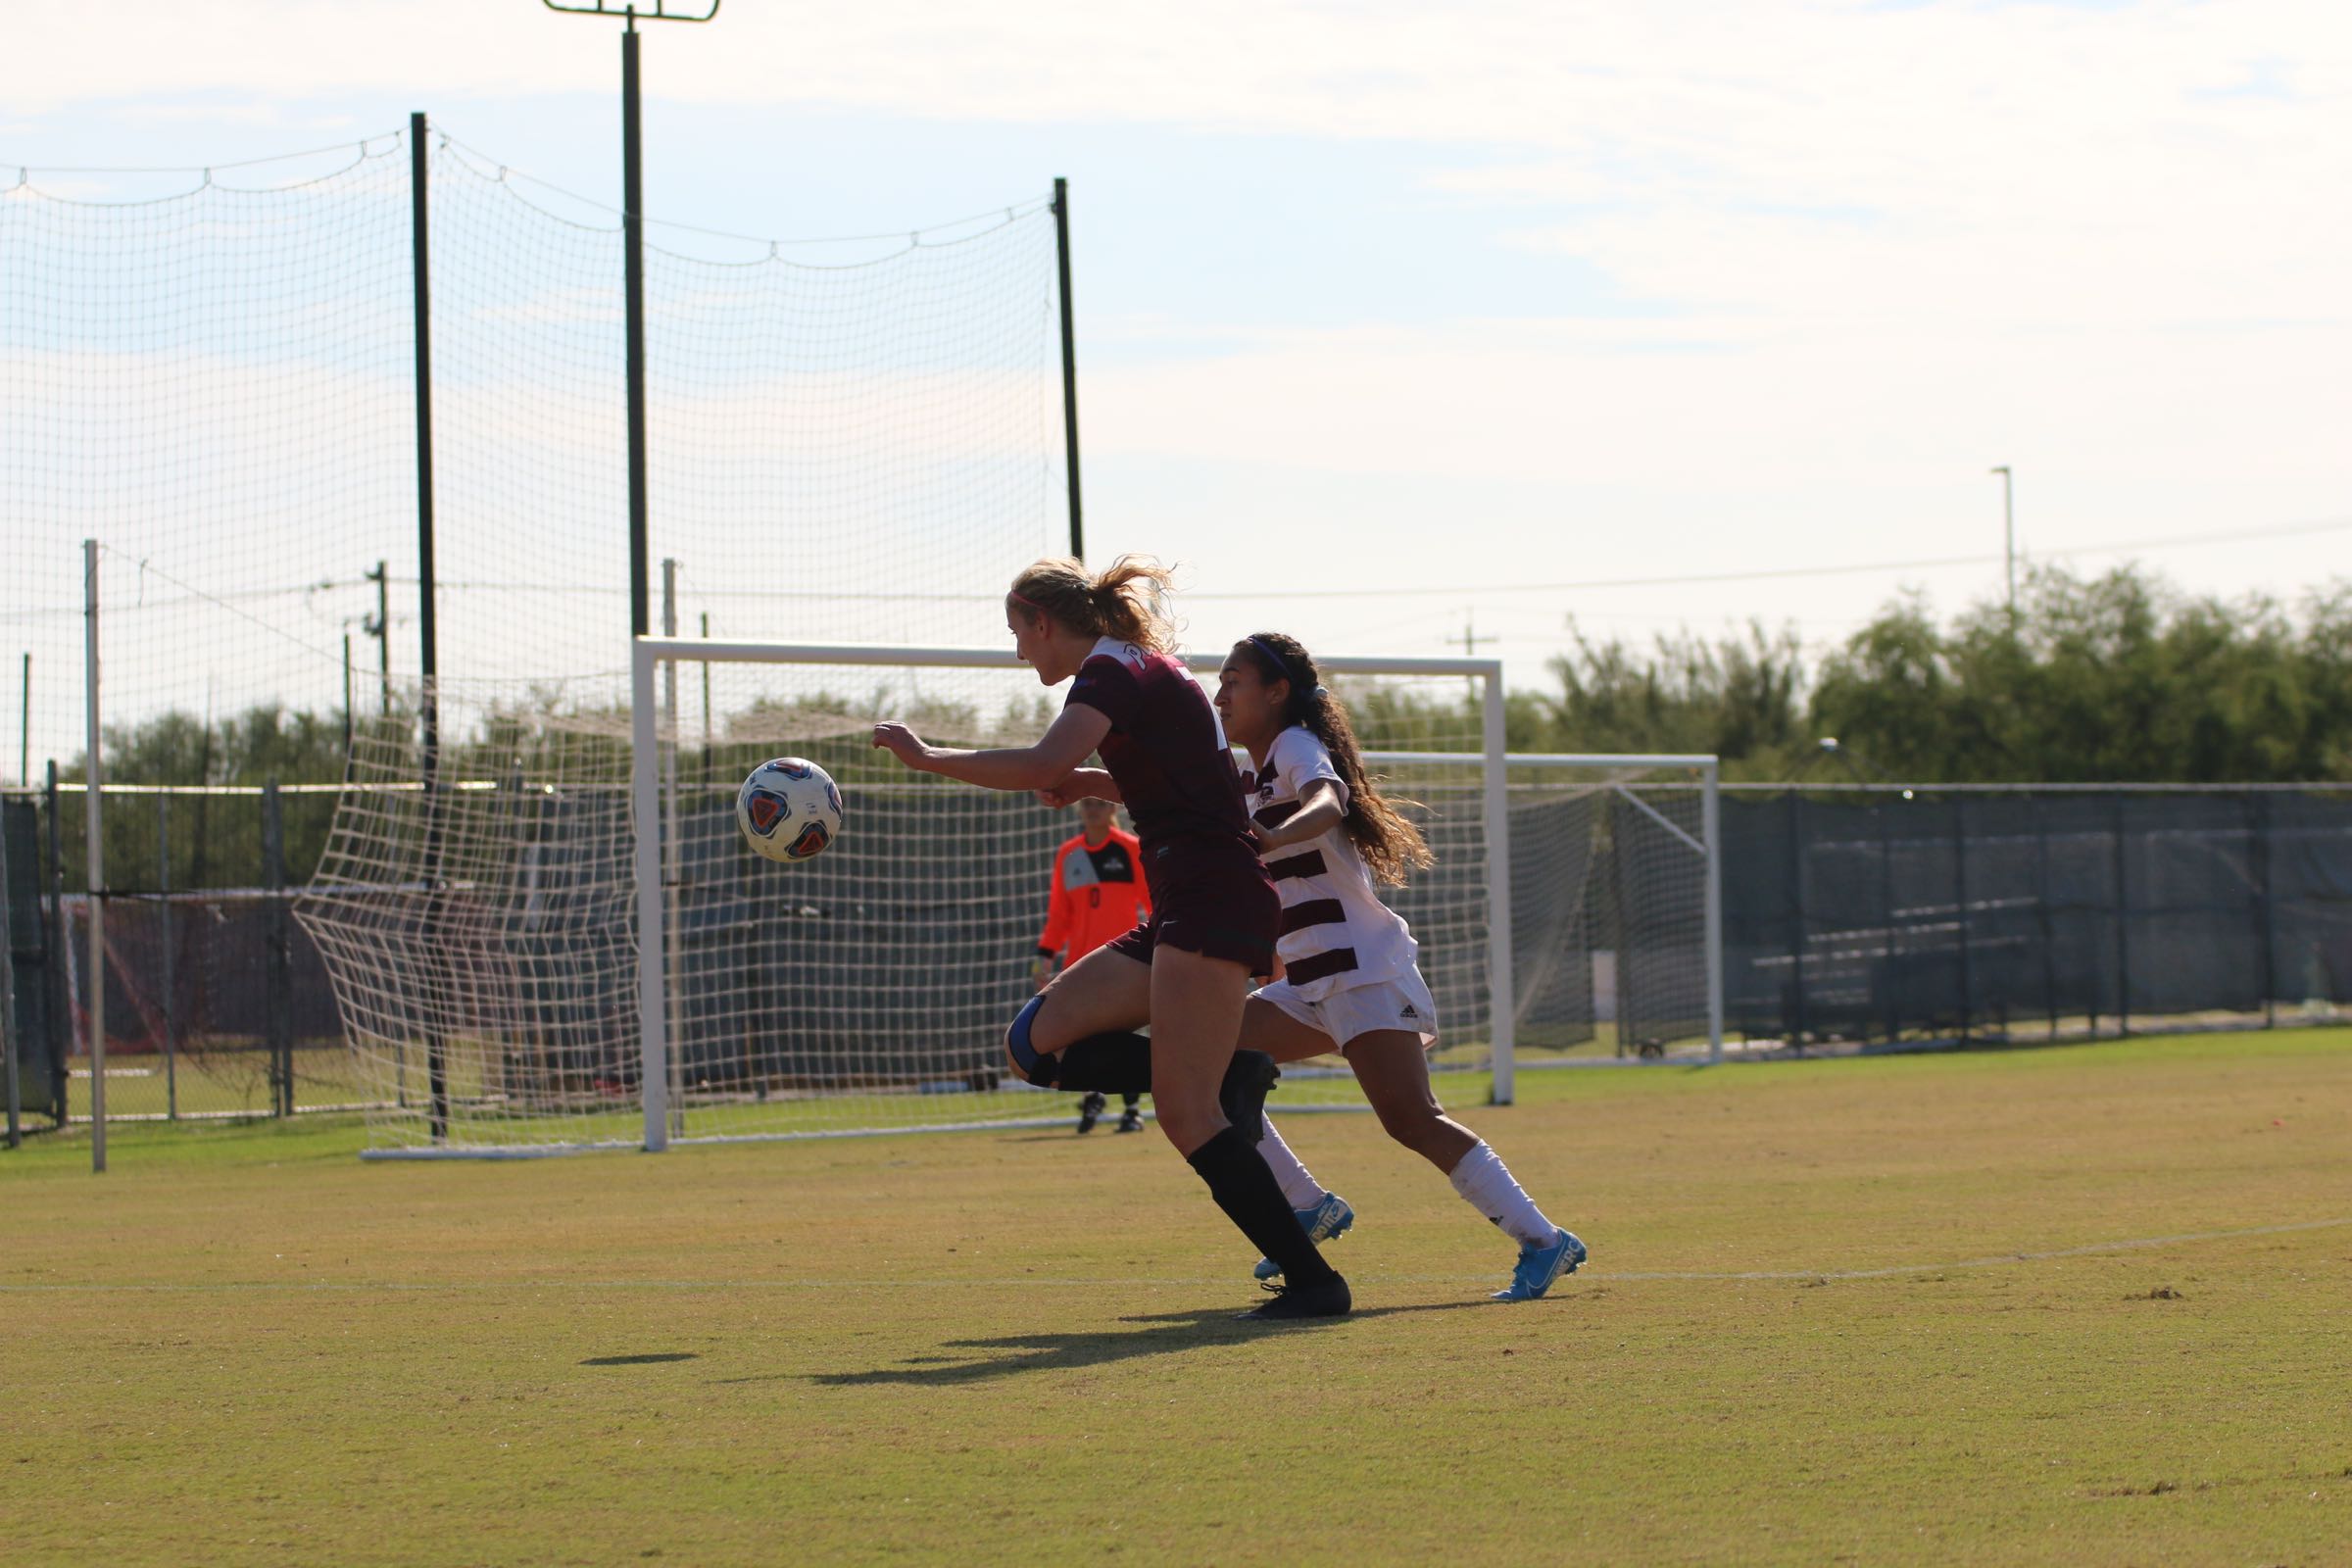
x,y
567,943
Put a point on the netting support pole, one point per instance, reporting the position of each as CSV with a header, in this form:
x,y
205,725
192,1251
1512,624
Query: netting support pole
x,y
277,963
632,224
1070,363
643,791
94,854
1503,1008
436,1062
1711,823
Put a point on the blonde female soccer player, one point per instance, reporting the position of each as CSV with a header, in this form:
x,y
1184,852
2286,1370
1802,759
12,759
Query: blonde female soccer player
x,y
1350,979
1185,970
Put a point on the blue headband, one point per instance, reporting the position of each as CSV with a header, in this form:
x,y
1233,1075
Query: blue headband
x,y
1284,665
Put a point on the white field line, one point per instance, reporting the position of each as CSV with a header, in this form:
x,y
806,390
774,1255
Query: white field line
x,y
1124,1281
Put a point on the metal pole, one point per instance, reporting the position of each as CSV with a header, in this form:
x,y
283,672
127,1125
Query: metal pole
x,y
25,727
162,892
1711,820
420,272
436,1065
706,704
674,846
1070,363
632,224
381,631
1503,1008
94,854
277,972
346,746
2008,539
653,1042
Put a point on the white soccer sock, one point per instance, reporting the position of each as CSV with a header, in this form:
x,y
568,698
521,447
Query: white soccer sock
x,y
1298,1189
1487,1185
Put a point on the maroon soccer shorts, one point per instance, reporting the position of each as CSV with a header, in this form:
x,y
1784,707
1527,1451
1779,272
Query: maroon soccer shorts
x,y
1211,897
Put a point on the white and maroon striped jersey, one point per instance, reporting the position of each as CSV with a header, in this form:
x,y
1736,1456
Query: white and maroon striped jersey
x,y
1336,933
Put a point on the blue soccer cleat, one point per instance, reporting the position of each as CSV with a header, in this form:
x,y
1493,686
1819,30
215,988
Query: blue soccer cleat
x,y
1327,1221
1538,1266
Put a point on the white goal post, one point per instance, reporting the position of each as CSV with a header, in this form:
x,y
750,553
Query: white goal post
x,y
1480,763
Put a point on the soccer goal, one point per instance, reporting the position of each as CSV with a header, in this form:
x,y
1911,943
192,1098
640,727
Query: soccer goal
x,y
567,943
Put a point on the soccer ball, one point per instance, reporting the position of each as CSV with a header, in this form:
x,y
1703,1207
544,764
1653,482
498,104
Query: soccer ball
x,y
789,810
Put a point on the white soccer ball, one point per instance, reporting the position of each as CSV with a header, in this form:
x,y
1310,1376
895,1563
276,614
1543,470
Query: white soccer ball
x,y
789,810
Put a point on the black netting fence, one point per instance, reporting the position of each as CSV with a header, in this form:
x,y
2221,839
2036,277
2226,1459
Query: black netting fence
x,y
1890,914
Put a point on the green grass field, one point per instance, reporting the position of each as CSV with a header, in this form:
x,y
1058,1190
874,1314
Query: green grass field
x,y
2084,1305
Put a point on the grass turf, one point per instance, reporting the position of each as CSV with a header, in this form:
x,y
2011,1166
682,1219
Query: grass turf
x,y
1858,1310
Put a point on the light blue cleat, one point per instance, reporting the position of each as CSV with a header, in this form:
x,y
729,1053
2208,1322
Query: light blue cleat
x,y
1538,1266
1327,1221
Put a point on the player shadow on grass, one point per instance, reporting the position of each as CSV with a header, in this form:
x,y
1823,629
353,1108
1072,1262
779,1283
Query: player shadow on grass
x,y
1167,1334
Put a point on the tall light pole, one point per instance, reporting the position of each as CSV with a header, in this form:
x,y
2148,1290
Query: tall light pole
x,y
2008,537
632,224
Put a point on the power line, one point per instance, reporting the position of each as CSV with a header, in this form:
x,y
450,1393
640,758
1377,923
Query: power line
x,y
1687,579
1593,585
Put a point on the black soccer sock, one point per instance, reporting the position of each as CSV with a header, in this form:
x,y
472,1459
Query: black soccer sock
x,y
1111,1063
1134,1100
1246,1190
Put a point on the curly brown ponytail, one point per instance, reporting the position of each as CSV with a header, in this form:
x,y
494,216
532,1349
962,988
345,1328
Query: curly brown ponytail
x,y
1128,600
1392,847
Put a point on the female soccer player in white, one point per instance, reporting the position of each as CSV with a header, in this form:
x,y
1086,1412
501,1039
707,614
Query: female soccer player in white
x,y
1214,914
1349,977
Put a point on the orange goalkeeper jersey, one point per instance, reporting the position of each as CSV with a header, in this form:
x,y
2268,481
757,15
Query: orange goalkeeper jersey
x,y
1098,894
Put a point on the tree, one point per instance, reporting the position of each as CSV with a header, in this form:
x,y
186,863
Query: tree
x,y
1737,697
214,841
2118,677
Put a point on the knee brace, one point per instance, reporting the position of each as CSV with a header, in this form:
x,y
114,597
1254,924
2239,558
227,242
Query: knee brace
x,y
1038,1068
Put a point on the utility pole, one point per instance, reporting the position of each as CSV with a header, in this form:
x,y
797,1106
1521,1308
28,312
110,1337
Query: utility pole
x,y
632,228
2008,538
1469,641
379,627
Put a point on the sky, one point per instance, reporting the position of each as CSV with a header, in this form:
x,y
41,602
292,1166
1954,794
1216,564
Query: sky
x,y
1399,320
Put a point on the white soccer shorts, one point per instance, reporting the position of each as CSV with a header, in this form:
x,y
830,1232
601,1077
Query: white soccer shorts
x,y
1401,1002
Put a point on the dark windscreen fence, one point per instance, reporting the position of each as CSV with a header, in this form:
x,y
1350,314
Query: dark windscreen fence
x,y
1890,914
40,1065
217,1002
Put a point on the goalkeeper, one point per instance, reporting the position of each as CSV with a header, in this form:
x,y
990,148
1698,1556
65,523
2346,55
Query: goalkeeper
x,y
1098,894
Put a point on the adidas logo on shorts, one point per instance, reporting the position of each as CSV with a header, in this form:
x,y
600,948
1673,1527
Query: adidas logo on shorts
x,y
1408,1011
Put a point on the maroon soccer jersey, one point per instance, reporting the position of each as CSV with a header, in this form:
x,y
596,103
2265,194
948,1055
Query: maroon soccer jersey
x,y
1165,748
